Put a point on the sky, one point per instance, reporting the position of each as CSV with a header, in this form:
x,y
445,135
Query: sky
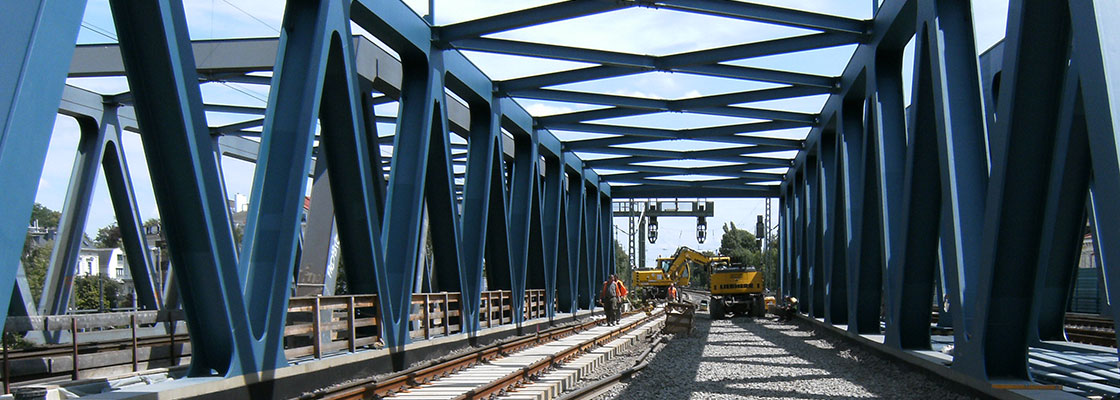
x,y
632,30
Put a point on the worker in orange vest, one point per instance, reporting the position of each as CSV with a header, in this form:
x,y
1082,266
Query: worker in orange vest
x,y
672,292
610,296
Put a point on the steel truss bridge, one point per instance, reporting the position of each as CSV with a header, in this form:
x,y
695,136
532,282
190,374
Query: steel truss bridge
x,y
980,187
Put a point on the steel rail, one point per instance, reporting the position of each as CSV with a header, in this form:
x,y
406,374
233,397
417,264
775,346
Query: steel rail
x,y
418,376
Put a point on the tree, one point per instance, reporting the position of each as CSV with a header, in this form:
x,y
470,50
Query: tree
x,y
35,261
47,218
36,258
743,248
88,296
108,237
622,265
740,245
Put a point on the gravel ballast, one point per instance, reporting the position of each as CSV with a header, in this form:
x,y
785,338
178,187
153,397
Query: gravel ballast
x,y
744,358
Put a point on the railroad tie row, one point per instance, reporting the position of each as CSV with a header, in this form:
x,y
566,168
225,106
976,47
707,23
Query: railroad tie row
x,y
565,377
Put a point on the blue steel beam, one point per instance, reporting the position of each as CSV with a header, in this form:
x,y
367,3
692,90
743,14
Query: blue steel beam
x,y
524,18
721,134
660,63
959,113
865,254
768,14
314,76
1035,63
763,162
481,170
187,185
523,190
552,193
58,283
802,193
131,226
1094,32
834,233
589,271
573,211
705,154
39,36
1064,217
911,277
816,181
785,92
648,190
645,171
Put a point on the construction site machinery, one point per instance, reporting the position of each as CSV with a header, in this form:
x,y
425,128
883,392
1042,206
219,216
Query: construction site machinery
x,y
654,282
736,289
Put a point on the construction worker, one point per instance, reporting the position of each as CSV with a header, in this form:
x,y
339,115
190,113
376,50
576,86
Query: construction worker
x,y
609,296
788,310
672,292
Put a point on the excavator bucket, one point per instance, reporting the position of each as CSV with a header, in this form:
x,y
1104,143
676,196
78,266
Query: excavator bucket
x,y
679,317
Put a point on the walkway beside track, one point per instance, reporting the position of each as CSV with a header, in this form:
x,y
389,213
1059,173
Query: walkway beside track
x,y
747,358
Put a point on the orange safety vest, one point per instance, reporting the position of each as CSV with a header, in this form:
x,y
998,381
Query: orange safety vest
x,y
672,292
620,288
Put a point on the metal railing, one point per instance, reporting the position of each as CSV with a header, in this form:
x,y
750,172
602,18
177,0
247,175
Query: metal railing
x,y
134,341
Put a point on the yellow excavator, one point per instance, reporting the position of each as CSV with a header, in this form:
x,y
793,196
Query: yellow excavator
x,y
735,289
654,282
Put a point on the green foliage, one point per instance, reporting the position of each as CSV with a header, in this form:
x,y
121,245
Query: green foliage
x,y
36,258
35,261
622,265
86,292
744,248
48,218
108,237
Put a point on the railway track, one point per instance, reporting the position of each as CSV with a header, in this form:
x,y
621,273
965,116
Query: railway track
x,y
533,356
1090,329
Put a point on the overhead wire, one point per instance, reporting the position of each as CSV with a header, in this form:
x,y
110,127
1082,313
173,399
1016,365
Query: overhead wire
x,y
103,32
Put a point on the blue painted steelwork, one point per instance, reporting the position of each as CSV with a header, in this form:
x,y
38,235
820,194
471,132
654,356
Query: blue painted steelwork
x,y
99,145
38,36
871,196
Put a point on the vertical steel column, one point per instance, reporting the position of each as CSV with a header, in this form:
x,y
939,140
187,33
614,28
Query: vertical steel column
x,y
802,224
911,279
39,39
1064,218
834,228
864,268
815,236
573,212
567,251
606,236
959,118
886,153
478,194
552,225
1035,60
589,244
783,243
522,196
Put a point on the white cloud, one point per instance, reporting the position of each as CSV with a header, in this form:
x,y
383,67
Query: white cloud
x,y
540,109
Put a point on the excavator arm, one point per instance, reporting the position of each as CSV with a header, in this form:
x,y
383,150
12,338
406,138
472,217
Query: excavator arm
x,y
681,259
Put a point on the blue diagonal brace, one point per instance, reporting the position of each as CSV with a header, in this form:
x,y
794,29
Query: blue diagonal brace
x,y
161,73
39,42
1094,34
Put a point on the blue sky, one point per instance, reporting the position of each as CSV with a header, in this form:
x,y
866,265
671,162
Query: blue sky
x,y
633,30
